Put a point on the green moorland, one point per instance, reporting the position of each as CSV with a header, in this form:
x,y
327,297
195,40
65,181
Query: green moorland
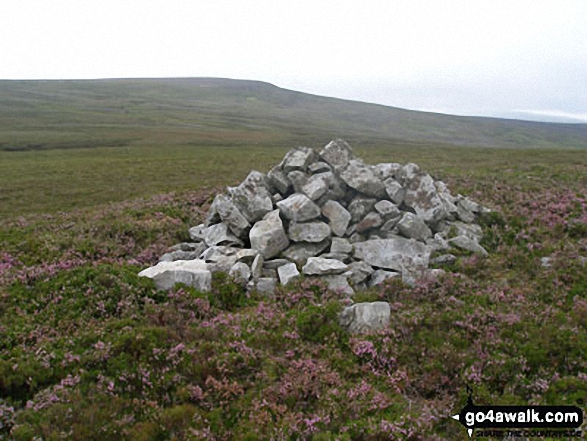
x,y
88,351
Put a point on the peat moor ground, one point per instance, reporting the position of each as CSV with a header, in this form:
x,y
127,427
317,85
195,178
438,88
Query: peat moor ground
x,y
88,351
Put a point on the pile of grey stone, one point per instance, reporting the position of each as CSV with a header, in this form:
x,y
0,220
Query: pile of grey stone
x,y
325,214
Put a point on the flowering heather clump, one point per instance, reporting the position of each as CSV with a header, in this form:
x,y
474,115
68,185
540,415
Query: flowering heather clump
x,y
90,351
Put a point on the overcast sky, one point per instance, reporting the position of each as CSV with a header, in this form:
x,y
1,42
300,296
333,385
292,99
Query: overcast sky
x,y
512,58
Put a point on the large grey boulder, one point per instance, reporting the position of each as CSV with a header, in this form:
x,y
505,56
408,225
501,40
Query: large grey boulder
x,y
287,273
316,186
337,154
396,254
338,216
318,266
314,231
360,177
413,227
268,236
252,197
298,207
193,273
365,317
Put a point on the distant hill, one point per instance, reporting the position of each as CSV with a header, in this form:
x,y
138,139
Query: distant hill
x,y
212,111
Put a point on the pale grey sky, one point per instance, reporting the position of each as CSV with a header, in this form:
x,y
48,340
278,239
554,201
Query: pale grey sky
x,y
511,58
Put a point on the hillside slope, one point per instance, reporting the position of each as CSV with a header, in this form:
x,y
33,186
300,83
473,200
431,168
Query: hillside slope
x,y
210,111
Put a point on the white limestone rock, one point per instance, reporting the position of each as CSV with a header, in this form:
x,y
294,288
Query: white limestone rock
x,y
193,273
268,235
365,317
318,266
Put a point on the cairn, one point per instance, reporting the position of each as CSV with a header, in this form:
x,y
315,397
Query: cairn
x,y
326,215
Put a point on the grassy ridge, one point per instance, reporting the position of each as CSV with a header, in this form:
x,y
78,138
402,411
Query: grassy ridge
x,y
200,111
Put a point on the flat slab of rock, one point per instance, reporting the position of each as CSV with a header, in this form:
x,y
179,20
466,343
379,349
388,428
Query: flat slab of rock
x,y
365,317
395,254
360,177
318,266
268,236
314,231
287,273
193,273
298,207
